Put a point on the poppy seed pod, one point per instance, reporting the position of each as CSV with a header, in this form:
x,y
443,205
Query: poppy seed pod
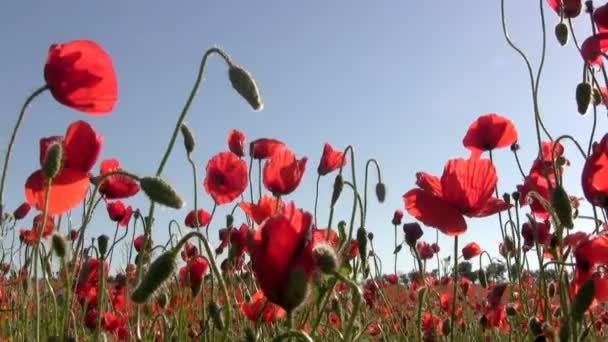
x,y
54,158
583,97
159,272
189,141
381,192
244,83
325,257
561,33
161,192
60,246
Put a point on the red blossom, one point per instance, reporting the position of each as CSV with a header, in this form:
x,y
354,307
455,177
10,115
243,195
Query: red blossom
x,y
116,186
283,172
489,132
226,177
201,215
331,160
236,143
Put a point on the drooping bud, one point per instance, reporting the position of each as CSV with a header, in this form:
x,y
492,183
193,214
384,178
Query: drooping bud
x,y
159,271
338,186
102,244
582,301
161,192
362,243
60,246
189,141
597,97
561,33
296,289
54,158
22,211
244,83
583,97
563,207
325,257
551,290
516,196
514,147
483,280
229,221
506,197
380,192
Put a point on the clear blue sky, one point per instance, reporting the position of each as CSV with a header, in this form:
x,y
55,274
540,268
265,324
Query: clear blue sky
x,y
400,80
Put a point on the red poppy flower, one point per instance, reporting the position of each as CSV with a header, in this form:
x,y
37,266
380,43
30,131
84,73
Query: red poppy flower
x,y
203,218
397,217
116,186
488,132
425,251
138,243
320,236
470,251
81,147
81,76
536,233
264,148
600,17
283,172
193,273
591,255
265,208
281,246
331,160
465,188
594,47
226,177
31,236
539,184
73,234
189,251
237,238
236,142
119,213
258,307
572,8
22,211
595,174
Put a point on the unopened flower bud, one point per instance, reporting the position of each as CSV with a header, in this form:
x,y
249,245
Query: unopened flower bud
x,y
514,147
244,83
597,97
510,310
381,192
563,207
483,280
60,246
54,158
159,271
446,326
161,192
506,197
370,236
551,290
325,257
102,244
583,97
338,186
561,33
22,211
413,232
229,221
516,196
535,326
362,243
189,141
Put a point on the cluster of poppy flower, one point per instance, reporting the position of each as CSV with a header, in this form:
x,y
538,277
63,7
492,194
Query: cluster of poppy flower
x,y
280,253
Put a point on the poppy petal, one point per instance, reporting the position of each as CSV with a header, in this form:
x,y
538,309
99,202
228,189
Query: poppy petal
x,y
434,212
68,189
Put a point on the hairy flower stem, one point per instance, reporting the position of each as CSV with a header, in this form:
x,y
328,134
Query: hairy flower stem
x,y
455,293
67,300
357,295
317,197
36,252
9,148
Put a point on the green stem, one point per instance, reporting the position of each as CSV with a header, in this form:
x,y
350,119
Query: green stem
x,y
455,292
357,295
36,253
9,148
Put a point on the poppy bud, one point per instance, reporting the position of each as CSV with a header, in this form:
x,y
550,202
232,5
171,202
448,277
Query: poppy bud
x,y
325,257
483,281
189,141
245,85
102,244
413,232
381,192
506,197
510,310
296,289
362,243
161,192
597,97
516,196
397,249
551,290
214,312
563,207
229,221
159,271
446,326
162,300
535,326
52,163
60,246
561,33
514,147
483,321
338,186
583,97
22,211
583,299
370,236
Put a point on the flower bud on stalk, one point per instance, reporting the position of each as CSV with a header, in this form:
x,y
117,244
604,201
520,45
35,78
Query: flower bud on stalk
x,y
583,97
561,33
296,289
244,83
158,273
338,186
54,158
189,141
381,192
102,244
60,246
161,192
325,257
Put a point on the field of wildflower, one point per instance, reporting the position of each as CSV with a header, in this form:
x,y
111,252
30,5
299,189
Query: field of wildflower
x,y
284,273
